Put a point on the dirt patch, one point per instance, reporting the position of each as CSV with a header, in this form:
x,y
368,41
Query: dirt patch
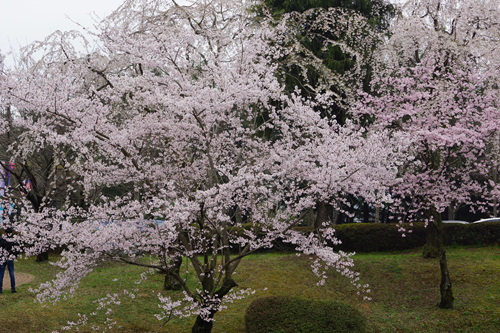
x,y
21,278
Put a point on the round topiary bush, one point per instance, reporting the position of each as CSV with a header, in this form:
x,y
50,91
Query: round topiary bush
x,y
295,315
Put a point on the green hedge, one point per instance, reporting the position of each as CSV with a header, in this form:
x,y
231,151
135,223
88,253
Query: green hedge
x,y
487,233
371,237
295,315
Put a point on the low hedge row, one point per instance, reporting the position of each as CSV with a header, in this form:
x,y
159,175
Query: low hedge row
x,y
295,315
371,237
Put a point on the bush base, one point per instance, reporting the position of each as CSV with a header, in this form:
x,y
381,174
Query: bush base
x,y
288,314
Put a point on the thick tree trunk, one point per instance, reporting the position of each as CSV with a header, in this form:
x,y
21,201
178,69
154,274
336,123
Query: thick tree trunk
x,y
205,324
170,282
321,215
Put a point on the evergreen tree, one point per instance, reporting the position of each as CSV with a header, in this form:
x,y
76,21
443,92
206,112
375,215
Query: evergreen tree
x,y
328,48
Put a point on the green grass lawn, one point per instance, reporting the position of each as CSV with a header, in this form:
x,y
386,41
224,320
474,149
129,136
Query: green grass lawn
x,y
405,292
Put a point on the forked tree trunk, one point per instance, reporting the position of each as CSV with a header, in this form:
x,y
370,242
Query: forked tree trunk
x,y
203,325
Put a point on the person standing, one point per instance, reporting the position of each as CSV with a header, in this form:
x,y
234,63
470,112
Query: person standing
x,y
8,252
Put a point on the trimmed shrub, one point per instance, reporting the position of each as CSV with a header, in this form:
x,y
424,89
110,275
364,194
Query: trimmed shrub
x,y
487,233
280,314
371,237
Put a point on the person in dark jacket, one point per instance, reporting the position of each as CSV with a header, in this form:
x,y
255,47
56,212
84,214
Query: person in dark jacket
x,y
8,251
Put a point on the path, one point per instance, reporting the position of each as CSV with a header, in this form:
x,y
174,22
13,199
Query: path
x,y
21,278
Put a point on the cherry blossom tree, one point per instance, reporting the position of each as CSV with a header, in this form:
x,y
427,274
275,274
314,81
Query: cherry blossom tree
x,y
180,106
436,81
450,114
457,30
32,167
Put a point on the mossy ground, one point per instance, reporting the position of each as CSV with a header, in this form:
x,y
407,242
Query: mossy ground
x,y
404,290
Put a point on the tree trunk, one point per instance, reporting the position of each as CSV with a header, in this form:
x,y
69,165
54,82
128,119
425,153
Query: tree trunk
x,y
452,210
445,286
431,247
310,218
321,215
335,216
377,214
170,282
204,325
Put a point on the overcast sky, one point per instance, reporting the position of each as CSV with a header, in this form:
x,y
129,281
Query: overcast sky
x,y
24,21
